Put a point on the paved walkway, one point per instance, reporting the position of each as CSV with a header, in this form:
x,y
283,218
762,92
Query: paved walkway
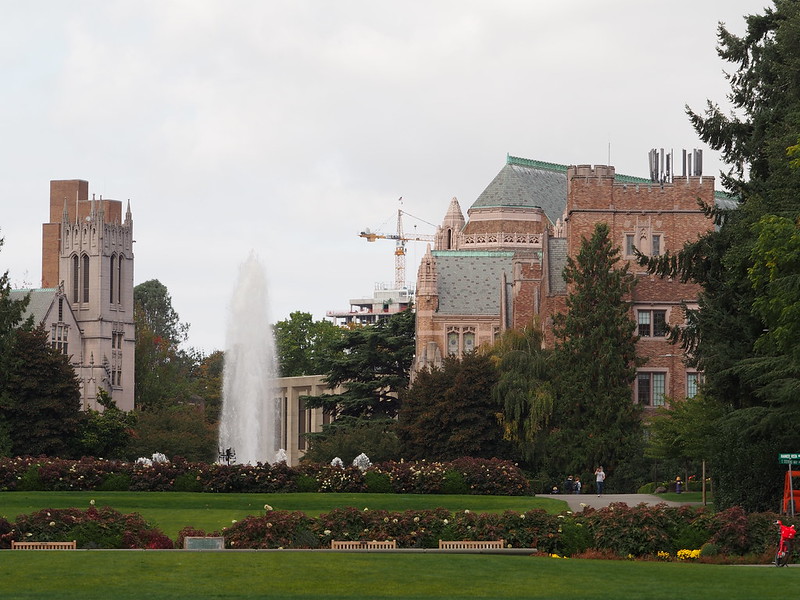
x,y
575,500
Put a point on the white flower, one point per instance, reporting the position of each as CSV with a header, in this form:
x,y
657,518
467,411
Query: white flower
x,y
327,532
445,521
52,523
416,519
466,512
28,534
233,521
269,525
267,507
91,501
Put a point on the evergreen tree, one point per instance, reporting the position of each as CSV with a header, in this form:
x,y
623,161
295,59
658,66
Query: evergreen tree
x,y
730,335
11,318
41,396
450,412
372,365
595,422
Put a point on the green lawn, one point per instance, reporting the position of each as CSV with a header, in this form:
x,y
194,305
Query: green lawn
x,y
171,511
174,574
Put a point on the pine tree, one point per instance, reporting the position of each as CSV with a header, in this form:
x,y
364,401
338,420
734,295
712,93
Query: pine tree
x,y
730,336
42,396
595,421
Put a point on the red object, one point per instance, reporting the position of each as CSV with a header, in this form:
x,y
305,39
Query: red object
x,y
790,493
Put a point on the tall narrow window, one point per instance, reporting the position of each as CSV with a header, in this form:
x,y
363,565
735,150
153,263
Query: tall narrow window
x,y
693,380
61,310
651,388
652,323
469,342
75,279
629,244
655,246
452,343
85,277
111,280
119,278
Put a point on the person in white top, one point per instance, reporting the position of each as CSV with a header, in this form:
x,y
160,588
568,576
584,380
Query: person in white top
x,y
600,478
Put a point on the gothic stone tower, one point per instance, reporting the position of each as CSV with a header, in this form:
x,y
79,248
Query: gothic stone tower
x,y
88,249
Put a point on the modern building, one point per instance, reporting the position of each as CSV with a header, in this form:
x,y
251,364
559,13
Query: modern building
x,y
502,266
86,298
386,300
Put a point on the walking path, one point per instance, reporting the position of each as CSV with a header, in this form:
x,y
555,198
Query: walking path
x,y
576,500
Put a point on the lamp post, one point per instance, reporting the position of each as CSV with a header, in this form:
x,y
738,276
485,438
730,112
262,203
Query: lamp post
x,y
227,455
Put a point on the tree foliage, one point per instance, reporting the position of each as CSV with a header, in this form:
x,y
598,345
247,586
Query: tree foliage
x,y
41,396
524,390
106,433
302,344
162,368
739,335
450,412
156,314
594,420
372,365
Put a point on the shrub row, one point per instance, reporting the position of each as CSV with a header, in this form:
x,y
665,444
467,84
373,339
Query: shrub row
x,y
462,476
616,531
92,528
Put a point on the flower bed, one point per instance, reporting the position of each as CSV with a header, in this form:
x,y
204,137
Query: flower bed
x,y
466,475
641,532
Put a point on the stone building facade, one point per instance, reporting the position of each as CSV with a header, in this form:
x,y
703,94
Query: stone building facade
x,y
502,266
86,298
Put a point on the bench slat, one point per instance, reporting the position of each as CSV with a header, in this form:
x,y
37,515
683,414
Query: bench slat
x,y
44,545
359,545
470,544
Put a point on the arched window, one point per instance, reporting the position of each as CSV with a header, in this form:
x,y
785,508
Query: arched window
x,y
85,278
449,239
111,279
75,278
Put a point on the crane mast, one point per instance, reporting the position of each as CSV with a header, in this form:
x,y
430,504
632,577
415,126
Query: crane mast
x,y
400,245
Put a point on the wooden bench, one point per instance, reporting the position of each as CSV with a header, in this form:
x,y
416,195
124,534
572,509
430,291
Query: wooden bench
x,y
471,544
363,545
44,545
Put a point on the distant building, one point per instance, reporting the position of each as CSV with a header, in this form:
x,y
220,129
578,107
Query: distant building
x,y
86,298
503,265
386,301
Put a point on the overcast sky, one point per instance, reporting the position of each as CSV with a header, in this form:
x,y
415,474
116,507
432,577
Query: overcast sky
x,y
285,128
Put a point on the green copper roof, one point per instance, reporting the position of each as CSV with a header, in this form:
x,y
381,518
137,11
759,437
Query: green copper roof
x,y
527,183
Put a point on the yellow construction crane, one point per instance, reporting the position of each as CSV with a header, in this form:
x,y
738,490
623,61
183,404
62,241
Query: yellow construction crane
x,y
400,245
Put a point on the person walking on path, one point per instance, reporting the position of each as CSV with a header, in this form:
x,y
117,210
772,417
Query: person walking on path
x,y
600,478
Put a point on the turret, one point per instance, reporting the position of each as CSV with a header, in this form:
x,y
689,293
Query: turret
x,y
448,232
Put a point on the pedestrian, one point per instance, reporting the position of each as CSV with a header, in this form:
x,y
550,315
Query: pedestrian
x,y
678,485
600,478
576,486
569,485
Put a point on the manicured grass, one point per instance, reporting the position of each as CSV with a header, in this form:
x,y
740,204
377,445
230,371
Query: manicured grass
x,y
174,574
172,511
688,497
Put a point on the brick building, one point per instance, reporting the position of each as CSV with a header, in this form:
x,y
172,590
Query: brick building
x,y
503,265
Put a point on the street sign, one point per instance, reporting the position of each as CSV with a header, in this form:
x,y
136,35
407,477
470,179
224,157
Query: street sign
x,y
785,459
